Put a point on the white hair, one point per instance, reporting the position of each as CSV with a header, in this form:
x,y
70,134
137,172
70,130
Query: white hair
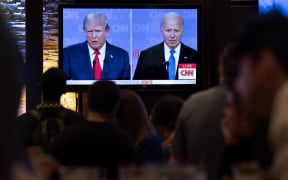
x,y
171,15
96,17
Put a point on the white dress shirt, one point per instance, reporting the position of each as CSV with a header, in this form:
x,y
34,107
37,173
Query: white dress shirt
x,y
101,56
168,54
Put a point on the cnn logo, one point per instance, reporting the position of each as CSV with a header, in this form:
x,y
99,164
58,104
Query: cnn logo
x,y
187,72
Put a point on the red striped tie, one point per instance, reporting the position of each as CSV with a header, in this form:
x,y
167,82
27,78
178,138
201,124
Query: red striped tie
x,y
97,71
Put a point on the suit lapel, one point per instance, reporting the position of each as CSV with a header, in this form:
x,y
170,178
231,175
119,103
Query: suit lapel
x,y
87,60
184,57
108,60
162,57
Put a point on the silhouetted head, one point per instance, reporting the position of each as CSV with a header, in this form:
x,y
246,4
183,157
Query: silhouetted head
x,y
103,97
53,84
165,112
262,49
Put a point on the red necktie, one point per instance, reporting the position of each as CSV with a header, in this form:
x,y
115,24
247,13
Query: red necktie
x,y
97,71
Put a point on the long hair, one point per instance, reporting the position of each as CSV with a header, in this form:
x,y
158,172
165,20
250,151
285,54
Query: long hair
x,y
132,115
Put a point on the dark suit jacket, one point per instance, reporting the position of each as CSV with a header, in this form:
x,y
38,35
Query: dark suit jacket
x,y
151,63
77,64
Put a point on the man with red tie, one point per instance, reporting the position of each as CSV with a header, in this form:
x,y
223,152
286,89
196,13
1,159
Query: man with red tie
x,y
95,59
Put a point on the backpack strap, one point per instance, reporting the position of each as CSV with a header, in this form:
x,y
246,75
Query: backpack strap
x,y
62,114
40,129
36,114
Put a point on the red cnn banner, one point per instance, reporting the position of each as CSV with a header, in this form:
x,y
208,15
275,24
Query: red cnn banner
x,y
187,71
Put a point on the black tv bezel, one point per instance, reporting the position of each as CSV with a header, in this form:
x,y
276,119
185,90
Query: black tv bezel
x,y
140,87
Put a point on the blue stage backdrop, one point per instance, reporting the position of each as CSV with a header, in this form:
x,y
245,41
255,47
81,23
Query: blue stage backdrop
x,y
118,20
134,30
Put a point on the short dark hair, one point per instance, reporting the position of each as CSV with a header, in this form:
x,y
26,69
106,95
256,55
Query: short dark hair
x,y
269,32
103,96
53,84
165,111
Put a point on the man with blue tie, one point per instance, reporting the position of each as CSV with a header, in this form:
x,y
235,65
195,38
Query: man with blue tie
x,y
161,61
95,59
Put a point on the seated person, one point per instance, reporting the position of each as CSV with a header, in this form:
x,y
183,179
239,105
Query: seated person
x,y
132,117
97,141
163,116
50,112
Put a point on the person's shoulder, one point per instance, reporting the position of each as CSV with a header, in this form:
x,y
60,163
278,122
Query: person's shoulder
x,y
118,134
153,49
75,46
69,135
69,111
149,146
118,130
33,114
187,48
208,94
25,119
116,49
203,101
73,130
24,116
72,117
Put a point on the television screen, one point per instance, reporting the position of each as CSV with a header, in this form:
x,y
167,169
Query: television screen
x,y
266,6
131,46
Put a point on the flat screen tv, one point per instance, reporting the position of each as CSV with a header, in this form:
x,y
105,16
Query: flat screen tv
x,y
135,46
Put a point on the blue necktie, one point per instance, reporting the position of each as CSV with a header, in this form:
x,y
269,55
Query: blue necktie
x,y
171,66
